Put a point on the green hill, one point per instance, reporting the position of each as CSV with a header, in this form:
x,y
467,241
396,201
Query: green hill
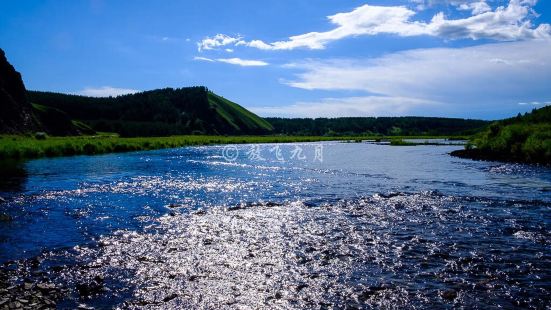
x,y
524,138
238,117
160,112
57,123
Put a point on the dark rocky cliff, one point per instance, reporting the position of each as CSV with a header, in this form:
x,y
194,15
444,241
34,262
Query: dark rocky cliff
x,y
16,115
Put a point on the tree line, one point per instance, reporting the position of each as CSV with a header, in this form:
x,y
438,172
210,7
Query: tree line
x,y
388,126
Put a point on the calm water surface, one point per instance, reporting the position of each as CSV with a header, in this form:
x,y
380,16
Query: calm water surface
x,y
369,226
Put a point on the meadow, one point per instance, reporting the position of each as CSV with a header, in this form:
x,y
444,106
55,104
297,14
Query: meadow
x,y
28,146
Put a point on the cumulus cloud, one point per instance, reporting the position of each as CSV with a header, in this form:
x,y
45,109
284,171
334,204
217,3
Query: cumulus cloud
x,y
210,43
106,91
475,7
365,20
509,23
235,61
420,5
505,23
464,5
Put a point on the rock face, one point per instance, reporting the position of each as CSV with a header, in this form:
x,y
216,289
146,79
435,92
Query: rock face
x,y
16,112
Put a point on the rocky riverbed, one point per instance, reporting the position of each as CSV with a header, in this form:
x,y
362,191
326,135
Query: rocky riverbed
x,y
24,286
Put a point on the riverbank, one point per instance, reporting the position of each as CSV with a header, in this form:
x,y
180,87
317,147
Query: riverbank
x,y
28,147
519,142
488,155
523,139
478,154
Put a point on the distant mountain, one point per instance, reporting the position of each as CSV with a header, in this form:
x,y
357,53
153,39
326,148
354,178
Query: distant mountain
x,y
524,138
168,111
408,125
16,112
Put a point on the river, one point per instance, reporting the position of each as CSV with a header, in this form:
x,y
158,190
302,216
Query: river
x,y
311,225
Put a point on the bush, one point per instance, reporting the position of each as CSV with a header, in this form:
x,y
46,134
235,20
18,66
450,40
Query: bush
x,y
89,148
40,136
523,142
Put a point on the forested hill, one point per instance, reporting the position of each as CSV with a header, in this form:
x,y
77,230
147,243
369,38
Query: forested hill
x,y
168,111
196,110
376,126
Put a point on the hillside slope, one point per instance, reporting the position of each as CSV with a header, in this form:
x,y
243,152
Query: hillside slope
x,y
168,111
238,117
17,115
525,138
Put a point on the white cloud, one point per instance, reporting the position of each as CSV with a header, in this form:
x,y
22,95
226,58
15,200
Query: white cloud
x,y
487,79
505,23
534,103
517,67
420,5
243,62
349,106
235,61
106,91
509,23
203,59
219,40
458,4
365,20
475,7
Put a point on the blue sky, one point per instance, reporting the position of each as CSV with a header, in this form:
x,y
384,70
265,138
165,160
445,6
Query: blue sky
x,y
301,58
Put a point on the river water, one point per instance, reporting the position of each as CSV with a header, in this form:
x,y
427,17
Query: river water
x,y
311,225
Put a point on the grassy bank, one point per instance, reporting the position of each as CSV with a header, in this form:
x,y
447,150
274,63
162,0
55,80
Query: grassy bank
x,y
34,147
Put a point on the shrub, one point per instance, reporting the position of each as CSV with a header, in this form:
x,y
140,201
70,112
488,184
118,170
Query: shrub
x,y
89,148
40,136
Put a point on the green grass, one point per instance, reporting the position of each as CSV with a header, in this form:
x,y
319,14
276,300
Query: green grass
x,y
236,115
33,147
400,141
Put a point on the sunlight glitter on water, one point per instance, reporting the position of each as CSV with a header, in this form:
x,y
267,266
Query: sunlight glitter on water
x,y
372,226
407,250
